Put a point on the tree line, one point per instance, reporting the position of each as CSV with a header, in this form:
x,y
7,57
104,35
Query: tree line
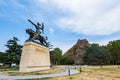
x,y
14,50
103,55
95,54
57,58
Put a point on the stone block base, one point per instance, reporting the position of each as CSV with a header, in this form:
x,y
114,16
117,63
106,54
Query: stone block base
x,y
34,57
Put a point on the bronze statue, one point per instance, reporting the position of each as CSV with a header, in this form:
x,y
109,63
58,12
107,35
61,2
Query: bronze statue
x,y
37,26
36,35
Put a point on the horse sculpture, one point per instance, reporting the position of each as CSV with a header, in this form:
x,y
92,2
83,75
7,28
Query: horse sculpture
x,y
36,36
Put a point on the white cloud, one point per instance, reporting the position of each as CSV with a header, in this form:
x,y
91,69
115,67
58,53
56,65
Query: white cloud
x,y
106,40
90,17
67,4
51,30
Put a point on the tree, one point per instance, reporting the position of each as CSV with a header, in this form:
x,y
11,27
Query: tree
x,y
55,56
67,60
95,55
2,57
114,51
13,52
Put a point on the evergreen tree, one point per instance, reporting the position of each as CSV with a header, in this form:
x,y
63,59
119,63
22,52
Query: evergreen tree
x,y
55,56
67,60
2,57
114,51
13,52
95,55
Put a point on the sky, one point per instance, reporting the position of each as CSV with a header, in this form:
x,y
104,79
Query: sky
x,y
65,21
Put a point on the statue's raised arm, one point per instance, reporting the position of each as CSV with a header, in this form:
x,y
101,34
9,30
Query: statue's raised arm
x,y
37,26
32,22
42,27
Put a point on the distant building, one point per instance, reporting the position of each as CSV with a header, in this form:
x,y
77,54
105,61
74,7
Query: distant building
x,y
1,64
13,65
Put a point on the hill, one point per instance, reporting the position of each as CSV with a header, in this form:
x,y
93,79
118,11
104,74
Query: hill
x,y
76,51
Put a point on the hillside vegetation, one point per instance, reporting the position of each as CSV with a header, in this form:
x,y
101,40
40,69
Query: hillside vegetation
x,y
94,54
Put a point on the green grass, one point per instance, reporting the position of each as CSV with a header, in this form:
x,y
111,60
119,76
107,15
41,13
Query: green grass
x,y
8,68
8,71
32,73
90,73
94,73
109,68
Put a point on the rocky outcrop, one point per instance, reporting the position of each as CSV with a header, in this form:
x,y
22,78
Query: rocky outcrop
x,y
77,51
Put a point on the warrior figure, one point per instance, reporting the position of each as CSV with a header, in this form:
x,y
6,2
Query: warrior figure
x,y
37,35
37,26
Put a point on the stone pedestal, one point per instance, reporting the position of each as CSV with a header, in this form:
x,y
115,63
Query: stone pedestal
x,y
34,57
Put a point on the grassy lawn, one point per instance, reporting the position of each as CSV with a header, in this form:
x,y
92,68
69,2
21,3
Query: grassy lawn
x,y
9,71
92,73
8,68
32,73
89,73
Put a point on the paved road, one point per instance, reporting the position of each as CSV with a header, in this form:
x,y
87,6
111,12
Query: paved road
x,y
2,77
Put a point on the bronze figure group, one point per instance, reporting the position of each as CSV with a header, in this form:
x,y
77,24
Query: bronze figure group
x,y
37,35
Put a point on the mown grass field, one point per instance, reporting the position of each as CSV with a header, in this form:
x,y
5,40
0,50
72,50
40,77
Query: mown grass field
x,y
89,73
53,71
92,73
14,71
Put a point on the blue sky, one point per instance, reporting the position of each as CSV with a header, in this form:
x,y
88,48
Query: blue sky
x,y
65,21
